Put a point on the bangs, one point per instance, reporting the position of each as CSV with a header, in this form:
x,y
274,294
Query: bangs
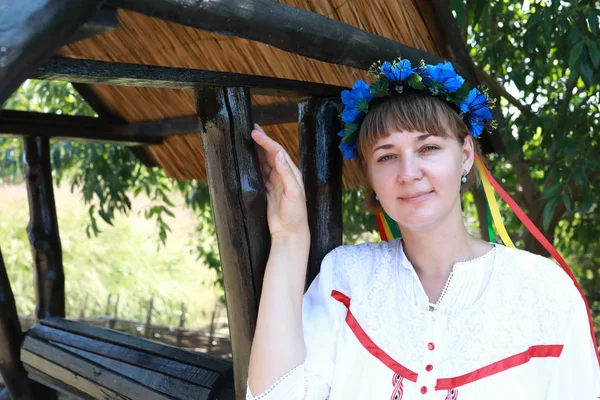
x,y
409,112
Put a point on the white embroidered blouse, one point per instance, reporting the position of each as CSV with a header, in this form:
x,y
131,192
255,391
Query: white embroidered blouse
x,y
511,325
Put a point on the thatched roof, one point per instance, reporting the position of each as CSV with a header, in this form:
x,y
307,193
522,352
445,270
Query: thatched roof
x,y
145,40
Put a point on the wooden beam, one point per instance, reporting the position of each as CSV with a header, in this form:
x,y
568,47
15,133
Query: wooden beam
x,y
68,127
271,114
286,27
103,20
91,97
321,166
124,74
240,210
94,130
32,31
42,229
11,368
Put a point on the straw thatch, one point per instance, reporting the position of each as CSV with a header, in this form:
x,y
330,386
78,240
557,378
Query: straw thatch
x,y
141,39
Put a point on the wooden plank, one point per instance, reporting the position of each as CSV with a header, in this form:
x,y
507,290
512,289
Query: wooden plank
x,y
68,127
321,166
280,25
84,375
102,21
152,362
123,74
200,360
154,380
11,368
32,31
239,206
46,380
42,229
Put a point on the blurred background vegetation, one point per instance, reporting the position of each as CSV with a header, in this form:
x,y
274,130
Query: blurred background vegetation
x,y
129,230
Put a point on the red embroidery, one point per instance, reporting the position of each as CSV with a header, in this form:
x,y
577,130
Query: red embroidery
x,y
398,387
452,394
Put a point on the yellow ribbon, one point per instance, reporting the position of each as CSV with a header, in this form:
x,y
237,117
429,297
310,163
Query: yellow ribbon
x,y
489,194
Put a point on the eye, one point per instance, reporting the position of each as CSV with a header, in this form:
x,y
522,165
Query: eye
x,y
385,158
429,148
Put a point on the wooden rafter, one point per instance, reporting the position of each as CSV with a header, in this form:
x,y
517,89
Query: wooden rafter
x,y
32,31
283,26
124,74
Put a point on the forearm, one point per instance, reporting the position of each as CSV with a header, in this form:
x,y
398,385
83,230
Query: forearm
x,y
278,344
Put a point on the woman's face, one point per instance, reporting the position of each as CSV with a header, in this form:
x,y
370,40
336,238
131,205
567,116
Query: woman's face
x,y
417,176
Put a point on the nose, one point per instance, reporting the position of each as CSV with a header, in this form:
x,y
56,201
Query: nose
x,y
408,169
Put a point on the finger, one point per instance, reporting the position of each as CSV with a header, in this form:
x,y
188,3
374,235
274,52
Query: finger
x,y
270,146
262,161
296,171
290,183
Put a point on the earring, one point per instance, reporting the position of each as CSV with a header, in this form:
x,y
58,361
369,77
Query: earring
x,y
376,197
464,176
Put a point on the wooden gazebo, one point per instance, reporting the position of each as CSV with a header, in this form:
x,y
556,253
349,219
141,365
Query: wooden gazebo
x,y
181,83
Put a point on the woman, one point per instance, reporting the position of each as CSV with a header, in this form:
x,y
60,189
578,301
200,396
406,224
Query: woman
x,y
437,314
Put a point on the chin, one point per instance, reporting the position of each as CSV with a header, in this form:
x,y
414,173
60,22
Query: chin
x,y
418,223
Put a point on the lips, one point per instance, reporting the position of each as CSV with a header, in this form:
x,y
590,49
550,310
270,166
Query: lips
x,y
417,196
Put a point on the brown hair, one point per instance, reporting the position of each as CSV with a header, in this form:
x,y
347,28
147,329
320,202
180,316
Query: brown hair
x,y
412,111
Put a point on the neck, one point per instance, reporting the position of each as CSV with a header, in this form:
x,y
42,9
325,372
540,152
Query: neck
x,y
434,251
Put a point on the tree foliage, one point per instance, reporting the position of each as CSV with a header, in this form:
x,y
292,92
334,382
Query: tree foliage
x,y
543,59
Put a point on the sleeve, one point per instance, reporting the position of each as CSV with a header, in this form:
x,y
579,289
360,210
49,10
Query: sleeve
x,y
322,318
577,374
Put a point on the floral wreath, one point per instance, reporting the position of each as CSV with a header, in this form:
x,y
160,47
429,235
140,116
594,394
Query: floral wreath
x,y
393,77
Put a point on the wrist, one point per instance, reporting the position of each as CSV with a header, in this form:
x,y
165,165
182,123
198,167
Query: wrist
x,y
292,239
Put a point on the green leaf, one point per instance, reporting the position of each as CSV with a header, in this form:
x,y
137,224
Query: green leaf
x,y
575,54
592,20
587,73
415,81
380,88
594,52
549,212
565,199
552,191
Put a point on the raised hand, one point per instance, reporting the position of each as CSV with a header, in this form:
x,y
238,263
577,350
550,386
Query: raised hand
x,y
286,199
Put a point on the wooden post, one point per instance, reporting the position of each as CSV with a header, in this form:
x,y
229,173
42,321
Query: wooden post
x,y
149,318
181,325
321,166
42,230
240,209
11,368
32,31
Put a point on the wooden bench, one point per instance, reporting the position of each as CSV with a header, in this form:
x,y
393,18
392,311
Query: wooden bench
x,y
90,362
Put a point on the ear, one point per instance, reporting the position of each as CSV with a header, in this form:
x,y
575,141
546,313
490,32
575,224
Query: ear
x,y
468,153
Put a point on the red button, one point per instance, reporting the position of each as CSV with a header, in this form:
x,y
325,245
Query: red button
x,y
423,390
430,346
429,367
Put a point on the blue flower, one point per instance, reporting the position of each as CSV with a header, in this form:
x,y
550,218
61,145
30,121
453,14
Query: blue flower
x,y
476,111
348,150
356,101
441,78
398,72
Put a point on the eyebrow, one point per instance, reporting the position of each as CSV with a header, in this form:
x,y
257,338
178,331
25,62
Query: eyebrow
x,y
389,145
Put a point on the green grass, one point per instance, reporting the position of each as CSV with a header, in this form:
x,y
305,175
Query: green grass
x,y
125,260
